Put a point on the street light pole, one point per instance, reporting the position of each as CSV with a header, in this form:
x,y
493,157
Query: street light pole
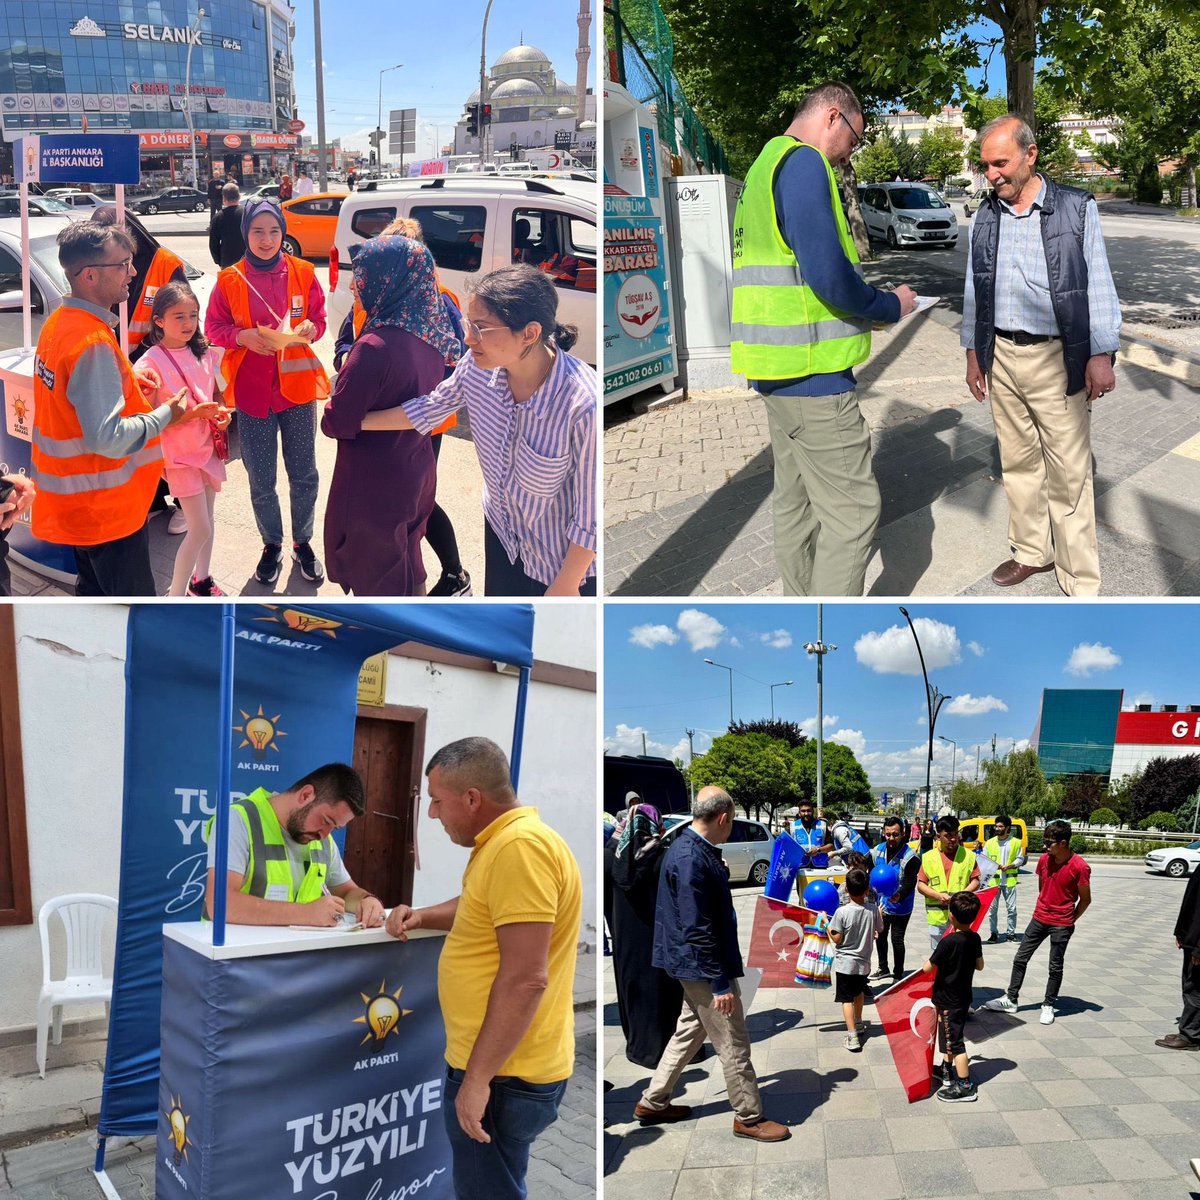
x,y
953,757
481,127
379,123
322,167
691,733
730,670
820,649
773,686
934,701
187,100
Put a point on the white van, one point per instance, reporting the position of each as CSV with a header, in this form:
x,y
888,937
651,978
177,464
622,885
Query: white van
x,y
516,168
475,224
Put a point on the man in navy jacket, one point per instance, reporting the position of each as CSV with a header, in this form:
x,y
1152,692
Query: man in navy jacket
x,y
695,941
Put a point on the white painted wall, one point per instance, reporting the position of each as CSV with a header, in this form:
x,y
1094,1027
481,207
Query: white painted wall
x,y
71,663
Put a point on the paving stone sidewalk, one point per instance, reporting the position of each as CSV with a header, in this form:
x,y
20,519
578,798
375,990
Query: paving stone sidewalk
x,y
1084,1109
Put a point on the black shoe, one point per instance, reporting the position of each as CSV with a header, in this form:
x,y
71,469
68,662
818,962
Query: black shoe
x,y
310,564
269,565
958,1091
452,584
992,940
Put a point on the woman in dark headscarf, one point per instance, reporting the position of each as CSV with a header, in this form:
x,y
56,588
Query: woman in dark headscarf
x,y
648,999
383,482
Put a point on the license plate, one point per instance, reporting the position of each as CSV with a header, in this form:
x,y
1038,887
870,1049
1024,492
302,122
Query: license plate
x,y
929,237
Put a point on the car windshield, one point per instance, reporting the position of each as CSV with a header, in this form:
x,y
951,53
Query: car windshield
x,y
915,198
50,204
1194,846
44,251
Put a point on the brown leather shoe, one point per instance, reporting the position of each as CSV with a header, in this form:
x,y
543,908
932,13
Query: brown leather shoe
x,y
1012,572
661,1116
762,1131
1176,1041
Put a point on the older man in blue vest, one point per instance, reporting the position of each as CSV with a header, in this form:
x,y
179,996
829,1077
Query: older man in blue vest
x,y
1041,328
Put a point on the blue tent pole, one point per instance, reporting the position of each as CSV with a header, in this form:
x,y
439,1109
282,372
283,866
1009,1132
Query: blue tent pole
x,y
519,726
224,756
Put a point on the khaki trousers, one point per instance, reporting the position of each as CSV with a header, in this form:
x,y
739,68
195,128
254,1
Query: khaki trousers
x,y
698,1020
1046,452
826,500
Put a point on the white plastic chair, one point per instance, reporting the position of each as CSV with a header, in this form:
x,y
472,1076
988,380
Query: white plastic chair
x,y
84,916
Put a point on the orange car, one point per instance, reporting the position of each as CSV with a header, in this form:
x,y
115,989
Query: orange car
x,y
311,222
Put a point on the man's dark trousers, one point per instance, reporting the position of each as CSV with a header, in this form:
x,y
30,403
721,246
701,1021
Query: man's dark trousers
x,y
120,568
1035,934
1189,1022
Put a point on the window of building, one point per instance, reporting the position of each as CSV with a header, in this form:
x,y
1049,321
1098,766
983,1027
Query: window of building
x,y
16,907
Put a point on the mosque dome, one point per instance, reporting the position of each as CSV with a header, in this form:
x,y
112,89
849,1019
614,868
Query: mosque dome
x,y
516,87
522,56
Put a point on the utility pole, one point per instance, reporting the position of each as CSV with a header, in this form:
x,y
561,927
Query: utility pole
x,y
643,743
691,733
322,165
820,649
483,84
976,764
993,747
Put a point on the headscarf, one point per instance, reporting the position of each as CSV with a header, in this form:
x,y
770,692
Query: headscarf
x,y
397,287
642,824
256,208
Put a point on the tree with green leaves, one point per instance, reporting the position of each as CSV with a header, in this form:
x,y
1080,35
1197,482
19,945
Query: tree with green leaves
x,y
942,150
1119,796
1081,795
1166,785
845,783
783,731
877,161
1014,781
756,770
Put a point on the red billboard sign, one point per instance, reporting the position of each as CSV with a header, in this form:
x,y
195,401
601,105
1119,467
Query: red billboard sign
x,y
232,141
296,126
1158,729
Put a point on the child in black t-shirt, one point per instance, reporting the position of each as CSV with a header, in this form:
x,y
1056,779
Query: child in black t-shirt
x,y
956,959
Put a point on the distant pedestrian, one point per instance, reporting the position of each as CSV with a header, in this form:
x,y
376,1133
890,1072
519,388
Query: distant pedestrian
x,y
1006,852
1041,325
285,188
214,196
225,241
304,184
1187,939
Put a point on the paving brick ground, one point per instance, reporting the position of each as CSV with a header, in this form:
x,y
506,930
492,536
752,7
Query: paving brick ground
x,y
1084,1109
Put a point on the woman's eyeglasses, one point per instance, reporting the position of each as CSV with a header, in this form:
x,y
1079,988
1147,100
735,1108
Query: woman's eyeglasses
x,y
477,331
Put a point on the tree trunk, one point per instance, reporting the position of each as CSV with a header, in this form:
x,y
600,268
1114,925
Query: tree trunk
x,y
854,218
1020,49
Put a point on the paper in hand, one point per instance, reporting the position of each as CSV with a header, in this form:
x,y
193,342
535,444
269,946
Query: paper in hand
x,y
280,339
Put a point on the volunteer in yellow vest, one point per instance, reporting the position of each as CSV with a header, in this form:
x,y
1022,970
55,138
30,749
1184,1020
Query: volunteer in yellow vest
x,y
96,458
505,973
284,867
948,868
802,315
1005,850
273,390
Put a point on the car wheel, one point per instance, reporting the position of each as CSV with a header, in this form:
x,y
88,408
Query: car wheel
x,y
758,874
199,206
152,208
292,247
1177,868
891,238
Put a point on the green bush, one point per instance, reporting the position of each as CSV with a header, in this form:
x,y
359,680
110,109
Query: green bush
x,y
1125,848
1159,820
1105,816
1078,843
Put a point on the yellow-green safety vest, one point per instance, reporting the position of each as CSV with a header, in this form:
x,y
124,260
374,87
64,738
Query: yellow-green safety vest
x,y
269,866
1008,870
935,874
781,328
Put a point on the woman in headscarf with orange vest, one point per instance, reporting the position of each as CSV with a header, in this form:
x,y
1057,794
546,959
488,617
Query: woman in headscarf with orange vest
x,y
383,483
273,390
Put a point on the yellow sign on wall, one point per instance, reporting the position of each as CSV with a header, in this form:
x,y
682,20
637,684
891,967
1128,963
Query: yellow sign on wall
x,y
372,680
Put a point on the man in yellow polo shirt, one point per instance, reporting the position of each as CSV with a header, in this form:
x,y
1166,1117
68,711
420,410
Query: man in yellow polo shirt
x,y
506,971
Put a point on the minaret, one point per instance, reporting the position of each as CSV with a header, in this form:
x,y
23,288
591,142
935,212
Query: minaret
x,y
583,54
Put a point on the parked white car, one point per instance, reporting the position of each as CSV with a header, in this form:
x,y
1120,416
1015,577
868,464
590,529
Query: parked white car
x,y
747,853
84,200
1176,861
908,214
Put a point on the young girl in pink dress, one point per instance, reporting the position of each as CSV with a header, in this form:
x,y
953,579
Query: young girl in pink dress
x,y
181,355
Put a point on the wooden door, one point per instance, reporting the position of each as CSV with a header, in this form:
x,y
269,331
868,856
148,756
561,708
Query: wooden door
x,y
389,753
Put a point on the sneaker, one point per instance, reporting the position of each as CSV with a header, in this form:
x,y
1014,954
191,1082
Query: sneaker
x,y
451,584
310,564
881,972
204,587
958,1091
941,1074
178,522
1047,1017
852,1043
992,940
1000,1004
270,564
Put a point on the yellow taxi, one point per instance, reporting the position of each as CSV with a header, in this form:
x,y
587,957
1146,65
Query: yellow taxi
x,y
974,831
311,223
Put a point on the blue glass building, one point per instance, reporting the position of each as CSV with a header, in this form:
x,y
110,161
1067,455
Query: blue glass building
x,y
1076,730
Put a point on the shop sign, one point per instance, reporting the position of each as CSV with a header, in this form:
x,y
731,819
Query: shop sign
x,y
295,127
161,33
79,158
273,141
232,141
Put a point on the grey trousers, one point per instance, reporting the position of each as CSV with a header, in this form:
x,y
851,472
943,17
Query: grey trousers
x,y
825,501
698,1020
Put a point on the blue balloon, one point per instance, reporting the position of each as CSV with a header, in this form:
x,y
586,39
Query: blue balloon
x,y
822,896
885,879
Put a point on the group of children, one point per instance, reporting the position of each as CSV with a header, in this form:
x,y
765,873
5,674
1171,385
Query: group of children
x,y
853,929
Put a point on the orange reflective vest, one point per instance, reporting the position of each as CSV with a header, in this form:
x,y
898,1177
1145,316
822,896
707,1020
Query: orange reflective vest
x,y
84,499
163,265
302,379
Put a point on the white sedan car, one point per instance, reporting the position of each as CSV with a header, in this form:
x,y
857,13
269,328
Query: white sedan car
x,y
1176,861
747,853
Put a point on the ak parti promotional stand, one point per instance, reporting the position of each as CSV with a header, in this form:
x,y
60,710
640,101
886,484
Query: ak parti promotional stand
x,y
269,1062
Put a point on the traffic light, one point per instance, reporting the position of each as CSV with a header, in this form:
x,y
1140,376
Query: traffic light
x,y
473,119
485,116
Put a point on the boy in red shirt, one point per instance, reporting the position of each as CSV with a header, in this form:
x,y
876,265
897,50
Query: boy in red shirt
x,y
1064,893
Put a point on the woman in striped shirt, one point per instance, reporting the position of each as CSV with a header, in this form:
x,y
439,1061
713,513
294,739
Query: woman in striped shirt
x,y
532,411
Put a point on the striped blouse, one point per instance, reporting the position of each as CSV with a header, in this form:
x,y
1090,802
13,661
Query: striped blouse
x,y
538,458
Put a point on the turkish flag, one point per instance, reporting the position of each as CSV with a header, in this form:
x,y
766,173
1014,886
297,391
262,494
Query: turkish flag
x,y
910,1022
775,941
986,896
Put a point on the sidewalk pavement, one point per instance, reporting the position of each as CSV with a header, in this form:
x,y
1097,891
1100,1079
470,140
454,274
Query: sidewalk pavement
x,y
1084,1109
48,1136
688,485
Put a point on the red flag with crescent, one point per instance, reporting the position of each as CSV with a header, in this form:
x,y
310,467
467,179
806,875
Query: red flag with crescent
x,y
775,941
910,1022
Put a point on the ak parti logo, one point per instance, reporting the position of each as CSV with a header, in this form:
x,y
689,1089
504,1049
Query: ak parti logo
x,y
382,1014
302,622
178,1121
260,732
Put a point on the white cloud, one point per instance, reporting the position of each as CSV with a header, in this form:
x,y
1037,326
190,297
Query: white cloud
x,y
649,636
1140,698
809,725
627,739
893,652
777,639
1089,657
702,631
974,706
736,643
851,738
976,649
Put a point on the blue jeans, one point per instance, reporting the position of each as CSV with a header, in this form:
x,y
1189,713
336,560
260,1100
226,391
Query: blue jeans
x,y
1009,896
516,1114
296,428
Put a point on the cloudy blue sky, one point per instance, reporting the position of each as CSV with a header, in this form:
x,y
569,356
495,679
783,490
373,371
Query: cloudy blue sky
x,y
993,660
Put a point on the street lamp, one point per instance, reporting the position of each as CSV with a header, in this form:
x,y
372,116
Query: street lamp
x,y
379,125
933,699
187,99
953,756
730,670
487,12
773,686
820,649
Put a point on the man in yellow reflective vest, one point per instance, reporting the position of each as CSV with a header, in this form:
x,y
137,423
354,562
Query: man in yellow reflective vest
x,y
284,866
802,316
948,868
1005,850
